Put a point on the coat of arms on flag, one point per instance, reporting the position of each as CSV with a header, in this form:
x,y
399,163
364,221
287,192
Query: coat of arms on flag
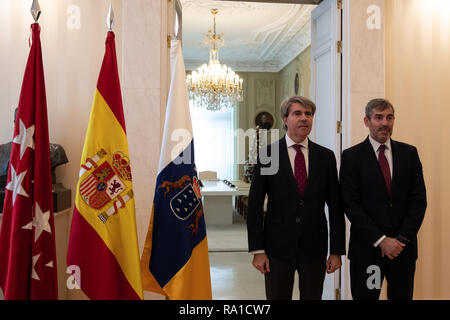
x,y
186,201
105,183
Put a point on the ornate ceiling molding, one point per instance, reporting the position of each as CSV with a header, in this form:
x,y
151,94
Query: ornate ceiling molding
x,y
267,48
233,6
285,38
239,66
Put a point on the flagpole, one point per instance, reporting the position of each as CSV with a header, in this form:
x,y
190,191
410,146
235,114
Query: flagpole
x,y
110,18
35,10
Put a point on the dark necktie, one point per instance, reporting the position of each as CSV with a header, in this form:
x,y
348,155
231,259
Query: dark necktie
x,y
384,165
300,169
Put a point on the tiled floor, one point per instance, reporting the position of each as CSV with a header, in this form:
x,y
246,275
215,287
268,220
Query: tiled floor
x,y
229,238
234,278
232,275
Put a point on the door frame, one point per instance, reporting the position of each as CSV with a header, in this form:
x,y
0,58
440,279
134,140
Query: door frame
x,y
342,281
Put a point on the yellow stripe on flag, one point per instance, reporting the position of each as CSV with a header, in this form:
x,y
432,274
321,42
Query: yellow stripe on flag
x,y
119,232
149,282
196,270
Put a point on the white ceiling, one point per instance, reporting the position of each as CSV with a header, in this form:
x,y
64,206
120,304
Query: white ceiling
x,y
261,37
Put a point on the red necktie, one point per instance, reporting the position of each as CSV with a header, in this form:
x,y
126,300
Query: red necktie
x,y
384,167
300,169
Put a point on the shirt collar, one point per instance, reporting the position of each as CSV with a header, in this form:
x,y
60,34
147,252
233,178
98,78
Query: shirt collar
x,y
375,144
290,142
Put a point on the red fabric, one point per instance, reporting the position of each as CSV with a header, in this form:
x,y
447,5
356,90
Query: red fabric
x,y
101,276
110,90
88,251
300,169
28,261
384,167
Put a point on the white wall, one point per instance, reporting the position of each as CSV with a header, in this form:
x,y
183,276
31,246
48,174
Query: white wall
x,y
418,83
72,59
406,61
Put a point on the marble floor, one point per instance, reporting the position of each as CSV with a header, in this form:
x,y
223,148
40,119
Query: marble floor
x,y
227,238
234,278
232,275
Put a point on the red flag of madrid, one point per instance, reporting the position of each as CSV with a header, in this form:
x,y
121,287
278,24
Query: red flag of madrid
x,y
27,234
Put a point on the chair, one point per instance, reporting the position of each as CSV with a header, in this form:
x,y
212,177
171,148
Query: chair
x,y
208,176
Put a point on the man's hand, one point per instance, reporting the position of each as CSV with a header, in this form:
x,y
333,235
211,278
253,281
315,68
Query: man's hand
x,y
391,247
261,262
333,263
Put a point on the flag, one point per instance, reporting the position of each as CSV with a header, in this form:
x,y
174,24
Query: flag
x,y
27,234
103,245
175,260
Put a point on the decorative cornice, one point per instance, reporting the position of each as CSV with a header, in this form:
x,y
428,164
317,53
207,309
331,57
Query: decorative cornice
x,y
238,66
268,48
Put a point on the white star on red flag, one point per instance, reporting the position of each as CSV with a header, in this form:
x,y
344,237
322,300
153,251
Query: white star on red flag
x,y
40,222
15,185
24,138
34,274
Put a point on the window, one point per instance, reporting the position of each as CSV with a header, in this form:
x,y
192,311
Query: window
x,y
214,141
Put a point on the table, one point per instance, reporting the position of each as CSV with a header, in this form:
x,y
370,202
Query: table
x,y
218,200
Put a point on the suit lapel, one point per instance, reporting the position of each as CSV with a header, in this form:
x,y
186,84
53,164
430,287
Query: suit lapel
x,y
395,163
285,164
313,164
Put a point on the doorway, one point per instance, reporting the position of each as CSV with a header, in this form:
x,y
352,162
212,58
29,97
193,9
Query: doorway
x,y
324,80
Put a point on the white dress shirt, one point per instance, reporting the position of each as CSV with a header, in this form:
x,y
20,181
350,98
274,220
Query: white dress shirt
x,y
292,152
388,153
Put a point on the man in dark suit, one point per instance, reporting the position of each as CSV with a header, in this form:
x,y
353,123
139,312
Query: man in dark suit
x,y
293,235
384,198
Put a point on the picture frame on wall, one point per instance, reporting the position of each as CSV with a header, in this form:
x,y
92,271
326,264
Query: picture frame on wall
x,y
264,120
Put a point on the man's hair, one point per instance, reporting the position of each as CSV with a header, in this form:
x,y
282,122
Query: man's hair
x,y
378,104
288,102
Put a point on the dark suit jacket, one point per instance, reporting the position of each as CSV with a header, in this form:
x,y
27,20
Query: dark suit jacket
x,y
294,222
372,211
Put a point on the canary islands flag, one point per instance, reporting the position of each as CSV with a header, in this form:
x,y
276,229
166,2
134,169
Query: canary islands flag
x,y
175,260
103,247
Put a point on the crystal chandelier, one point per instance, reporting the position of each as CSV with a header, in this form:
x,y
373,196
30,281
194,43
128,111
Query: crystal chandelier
x,y
214,86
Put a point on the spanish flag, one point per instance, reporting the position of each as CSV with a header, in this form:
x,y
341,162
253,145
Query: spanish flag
x,y
103,243
175,260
